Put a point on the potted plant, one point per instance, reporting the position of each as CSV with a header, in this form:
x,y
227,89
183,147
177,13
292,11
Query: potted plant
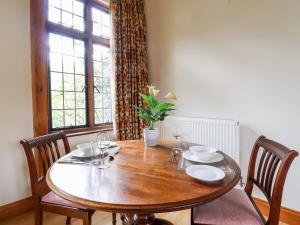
x,y
154,111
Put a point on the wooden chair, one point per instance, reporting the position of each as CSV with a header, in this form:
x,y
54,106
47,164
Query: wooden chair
x,y
269,164
42,152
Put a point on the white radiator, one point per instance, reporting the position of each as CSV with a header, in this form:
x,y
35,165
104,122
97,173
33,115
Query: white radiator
x,y
221,134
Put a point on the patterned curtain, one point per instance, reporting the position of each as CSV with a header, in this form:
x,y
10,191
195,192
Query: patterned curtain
x,y
130,65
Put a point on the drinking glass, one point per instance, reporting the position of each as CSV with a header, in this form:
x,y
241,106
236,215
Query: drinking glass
x,y
176,133
103,142
95,153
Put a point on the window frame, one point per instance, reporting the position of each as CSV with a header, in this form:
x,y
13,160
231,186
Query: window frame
x,y
40,29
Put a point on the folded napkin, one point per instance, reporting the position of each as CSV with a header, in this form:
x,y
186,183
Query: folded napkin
x,y
69,158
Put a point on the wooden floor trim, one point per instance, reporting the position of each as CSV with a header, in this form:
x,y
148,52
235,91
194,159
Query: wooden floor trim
x,y
289,216
15,208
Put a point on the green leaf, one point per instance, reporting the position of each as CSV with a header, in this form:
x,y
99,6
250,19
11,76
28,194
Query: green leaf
x,y
140,108
164,106
145,116
150,100
155,111
144,113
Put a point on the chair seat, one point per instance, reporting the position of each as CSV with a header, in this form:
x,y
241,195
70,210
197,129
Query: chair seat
x,y
234,208
52,198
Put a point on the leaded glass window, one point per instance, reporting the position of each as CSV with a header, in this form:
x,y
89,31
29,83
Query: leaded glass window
x,y
79,64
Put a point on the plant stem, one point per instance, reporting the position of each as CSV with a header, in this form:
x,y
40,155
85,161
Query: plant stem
x,y
151,125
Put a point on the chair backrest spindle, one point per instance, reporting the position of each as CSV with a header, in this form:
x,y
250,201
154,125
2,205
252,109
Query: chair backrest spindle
x,y
270,176
41,153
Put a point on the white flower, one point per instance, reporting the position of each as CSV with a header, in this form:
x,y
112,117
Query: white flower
x,y
171,95
151,89
156,92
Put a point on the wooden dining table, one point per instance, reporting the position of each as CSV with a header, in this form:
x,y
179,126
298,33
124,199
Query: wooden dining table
x,y
140,182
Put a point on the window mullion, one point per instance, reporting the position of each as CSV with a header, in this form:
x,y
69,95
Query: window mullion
x,y
101,41
90,69
60,29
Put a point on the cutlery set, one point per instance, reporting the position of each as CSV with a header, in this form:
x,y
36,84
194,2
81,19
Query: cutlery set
x,y
83,156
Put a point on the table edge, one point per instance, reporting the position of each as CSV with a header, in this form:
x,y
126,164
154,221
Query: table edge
x,y
153,208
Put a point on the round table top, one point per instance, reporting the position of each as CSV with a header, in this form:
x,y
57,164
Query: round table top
x,y
139,179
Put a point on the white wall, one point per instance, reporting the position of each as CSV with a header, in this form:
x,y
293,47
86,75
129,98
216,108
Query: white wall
x,y
235,59
16,100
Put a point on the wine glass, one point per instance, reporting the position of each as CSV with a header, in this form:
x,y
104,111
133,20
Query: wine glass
x,y
95,153
103,142
176,133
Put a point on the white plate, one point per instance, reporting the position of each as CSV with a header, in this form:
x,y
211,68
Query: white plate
x,y
213,157
88,145
85,152
88,153
202,149
205,173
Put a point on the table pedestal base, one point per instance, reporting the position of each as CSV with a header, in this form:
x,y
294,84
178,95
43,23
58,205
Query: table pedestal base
x,y
143,219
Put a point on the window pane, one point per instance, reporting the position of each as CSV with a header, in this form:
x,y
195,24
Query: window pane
x,y
98,100
96,15
55,3
67,19
67,5
101,23
56,81
69,100
80,100
80,117
78,8
79,49
98,68
70,118
106,81
69,13
106,71
102,92
97,29
67,46
57,119
106,57
54,15
107,114
68,92
69,82
101,53
57,99
68,64
98,116
105,19
55,62
107,101
79,66
79,83
98,83
106,90
55,43
78,23
105,31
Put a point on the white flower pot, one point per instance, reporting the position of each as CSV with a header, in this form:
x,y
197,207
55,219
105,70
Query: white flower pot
x,y
150,136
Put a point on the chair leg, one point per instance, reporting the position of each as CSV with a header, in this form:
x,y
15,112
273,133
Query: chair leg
x,y
192,216
87,219
114,219
38,217
68,221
